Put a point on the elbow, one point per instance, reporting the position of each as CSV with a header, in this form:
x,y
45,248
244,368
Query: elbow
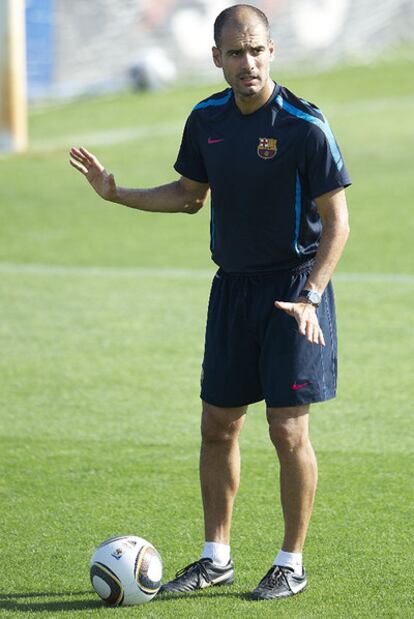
x,y
193,207
347,231
345,222
191,195
338,229
346,228
341,225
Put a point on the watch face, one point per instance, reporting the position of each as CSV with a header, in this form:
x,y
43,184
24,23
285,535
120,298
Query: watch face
x,y
312,296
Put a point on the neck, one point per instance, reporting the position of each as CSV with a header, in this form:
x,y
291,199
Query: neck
x,y
248,105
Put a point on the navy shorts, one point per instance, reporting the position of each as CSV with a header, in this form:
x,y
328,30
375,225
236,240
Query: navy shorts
x,y
253,351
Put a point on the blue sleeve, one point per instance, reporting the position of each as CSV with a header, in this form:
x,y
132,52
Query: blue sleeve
x,y
190,162
323,166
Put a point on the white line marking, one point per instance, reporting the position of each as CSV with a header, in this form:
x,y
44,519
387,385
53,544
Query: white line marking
x,y
113,136
172,272
136,133
94,271
400,278
369,105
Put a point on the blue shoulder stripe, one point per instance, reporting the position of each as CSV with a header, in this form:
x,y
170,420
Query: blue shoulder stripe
x,y
214,102
322,124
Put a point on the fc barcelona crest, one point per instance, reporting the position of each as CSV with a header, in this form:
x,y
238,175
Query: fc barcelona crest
x,y
267,148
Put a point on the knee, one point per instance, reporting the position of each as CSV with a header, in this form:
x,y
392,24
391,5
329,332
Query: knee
x,y
215,429
287,436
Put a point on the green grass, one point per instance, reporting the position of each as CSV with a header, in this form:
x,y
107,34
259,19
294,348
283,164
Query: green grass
x,y
100,369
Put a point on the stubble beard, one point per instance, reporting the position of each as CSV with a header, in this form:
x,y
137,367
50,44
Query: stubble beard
x,y
254,91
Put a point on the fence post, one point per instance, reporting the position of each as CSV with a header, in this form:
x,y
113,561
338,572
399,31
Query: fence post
x,y
13,96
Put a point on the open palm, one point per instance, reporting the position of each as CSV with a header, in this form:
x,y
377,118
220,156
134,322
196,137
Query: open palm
x,y
86,163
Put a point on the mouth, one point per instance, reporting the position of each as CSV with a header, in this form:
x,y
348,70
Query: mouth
x,y
248,80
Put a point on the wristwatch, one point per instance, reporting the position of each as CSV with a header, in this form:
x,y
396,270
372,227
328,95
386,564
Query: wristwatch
x,y
312,297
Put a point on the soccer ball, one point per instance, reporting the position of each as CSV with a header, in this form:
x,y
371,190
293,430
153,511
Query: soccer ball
x,y
126,570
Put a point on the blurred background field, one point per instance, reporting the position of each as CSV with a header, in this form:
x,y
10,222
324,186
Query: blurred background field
x,y
137,137
103,314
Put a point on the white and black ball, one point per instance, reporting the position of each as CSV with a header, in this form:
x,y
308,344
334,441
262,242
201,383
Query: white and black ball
x,y
126,570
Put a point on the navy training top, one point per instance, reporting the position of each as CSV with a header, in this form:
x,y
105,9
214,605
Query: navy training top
x,y
264,170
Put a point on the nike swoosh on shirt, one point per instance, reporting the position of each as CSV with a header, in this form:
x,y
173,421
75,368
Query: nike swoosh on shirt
x,y
214,141
295,387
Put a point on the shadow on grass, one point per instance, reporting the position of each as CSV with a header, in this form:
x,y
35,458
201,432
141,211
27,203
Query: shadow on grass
x,y
40,594
13,602
171,597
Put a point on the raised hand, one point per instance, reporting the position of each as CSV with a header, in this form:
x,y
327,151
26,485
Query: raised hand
x,y
88,165
305,315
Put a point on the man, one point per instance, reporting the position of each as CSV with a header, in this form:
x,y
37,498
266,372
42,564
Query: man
x,y
279,224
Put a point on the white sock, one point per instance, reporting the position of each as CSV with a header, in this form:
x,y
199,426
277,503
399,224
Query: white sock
x,y
218,553
290,559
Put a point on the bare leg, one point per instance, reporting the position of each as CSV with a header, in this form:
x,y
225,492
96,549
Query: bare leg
x,y
289,432
219,468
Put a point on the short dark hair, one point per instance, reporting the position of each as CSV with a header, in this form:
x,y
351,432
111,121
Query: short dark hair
x,y
230,12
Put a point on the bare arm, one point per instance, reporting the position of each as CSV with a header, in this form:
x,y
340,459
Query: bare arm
x,y
181,196
333,211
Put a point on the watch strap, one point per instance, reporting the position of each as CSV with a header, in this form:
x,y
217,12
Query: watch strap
x,y
312,297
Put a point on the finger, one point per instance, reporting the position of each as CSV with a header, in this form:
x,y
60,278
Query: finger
x,y
79,157
321,338
303,328
78,166
309,331
75,151
89,156
285,306
316,335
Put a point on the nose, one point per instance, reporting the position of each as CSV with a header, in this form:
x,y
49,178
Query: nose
x,y
247,63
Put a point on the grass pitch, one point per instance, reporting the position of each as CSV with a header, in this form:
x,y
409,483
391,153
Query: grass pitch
x,y
103,314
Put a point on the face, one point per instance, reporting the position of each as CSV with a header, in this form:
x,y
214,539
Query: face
x,y
245,56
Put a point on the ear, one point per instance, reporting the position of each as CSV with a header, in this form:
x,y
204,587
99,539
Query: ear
x,y
217,57
272,50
